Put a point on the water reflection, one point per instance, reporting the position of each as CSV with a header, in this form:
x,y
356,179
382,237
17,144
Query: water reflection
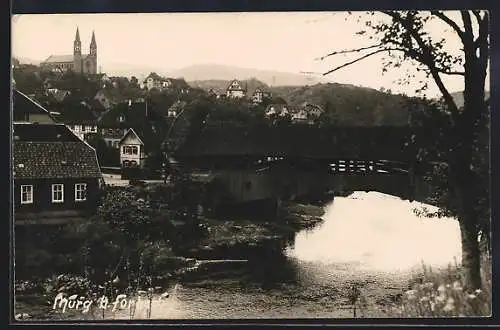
x,y
379,232
370,239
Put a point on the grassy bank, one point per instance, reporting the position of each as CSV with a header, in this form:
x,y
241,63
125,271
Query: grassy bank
x,y
430,293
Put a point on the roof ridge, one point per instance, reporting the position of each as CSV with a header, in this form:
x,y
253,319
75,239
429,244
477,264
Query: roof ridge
x,y
38,105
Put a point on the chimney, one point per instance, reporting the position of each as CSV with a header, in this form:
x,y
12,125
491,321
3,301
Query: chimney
x,y
129,102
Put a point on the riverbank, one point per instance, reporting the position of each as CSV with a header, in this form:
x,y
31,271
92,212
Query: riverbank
x,y
241,238
226,246
291,287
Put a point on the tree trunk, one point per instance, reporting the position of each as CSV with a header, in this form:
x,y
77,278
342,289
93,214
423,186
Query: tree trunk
x,y
471,257
469,228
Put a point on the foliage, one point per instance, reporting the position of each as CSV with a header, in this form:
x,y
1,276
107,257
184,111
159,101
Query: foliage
x,y
349,105
441,294
126,212
404,36
107,155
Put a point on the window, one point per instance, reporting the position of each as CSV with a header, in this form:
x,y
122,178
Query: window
x,y
80,192
26,194
130,150
57,193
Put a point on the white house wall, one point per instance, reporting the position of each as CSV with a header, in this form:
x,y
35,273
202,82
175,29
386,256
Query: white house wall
x,y
132,141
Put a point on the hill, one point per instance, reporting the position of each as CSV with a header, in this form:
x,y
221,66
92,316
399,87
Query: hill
x,y
122,69
459,97
223,72
348,104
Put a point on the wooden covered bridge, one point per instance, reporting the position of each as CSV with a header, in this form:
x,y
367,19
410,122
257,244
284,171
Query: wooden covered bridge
x,y
296,160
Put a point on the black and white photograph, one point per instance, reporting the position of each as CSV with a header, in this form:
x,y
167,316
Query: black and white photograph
x,y
250,165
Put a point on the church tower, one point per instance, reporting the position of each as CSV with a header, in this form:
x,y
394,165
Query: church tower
x,y
93,54
77,53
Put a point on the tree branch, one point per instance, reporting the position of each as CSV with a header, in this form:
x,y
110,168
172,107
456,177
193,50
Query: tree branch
x,y
348,51
428,60
359,59
452,73
483,45
483,30
449,21
468,38
477,14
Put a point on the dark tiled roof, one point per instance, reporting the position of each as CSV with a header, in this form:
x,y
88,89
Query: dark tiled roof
x,y
135,115
79,115
23,105
51,160
43,133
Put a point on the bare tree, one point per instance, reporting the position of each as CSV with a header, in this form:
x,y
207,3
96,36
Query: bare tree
x,y
404,36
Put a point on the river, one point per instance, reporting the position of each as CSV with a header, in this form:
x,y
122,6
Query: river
x,y
370,240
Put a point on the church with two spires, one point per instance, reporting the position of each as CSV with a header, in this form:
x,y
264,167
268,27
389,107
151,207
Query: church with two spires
x,y
80,63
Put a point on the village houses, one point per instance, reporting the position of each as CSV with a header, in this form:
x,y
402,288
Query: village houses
x,y
132,124
56,174
80,119
305,113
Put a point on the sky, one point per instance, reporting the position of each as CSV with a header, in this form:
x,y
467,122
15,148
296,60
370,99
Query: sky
x,y
288,42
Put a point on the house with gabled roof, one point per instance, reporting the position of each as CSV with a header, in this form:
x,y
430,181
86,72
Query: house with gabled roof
x,y
132,149
116,121
25,109
236,89
56,175
153,80
80,119
138,146
260,94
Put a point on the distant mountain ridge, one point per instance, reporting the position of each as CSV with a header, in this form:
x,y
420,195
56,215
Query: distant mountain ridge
x,y
202,72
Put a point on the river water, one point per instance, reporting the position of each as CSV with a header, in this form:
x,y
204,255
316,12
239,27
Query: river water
x,y
370,240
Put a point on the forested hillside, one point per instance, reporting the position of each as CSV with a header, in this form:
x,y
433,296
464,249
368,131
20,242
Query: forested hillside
x,y
350,105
